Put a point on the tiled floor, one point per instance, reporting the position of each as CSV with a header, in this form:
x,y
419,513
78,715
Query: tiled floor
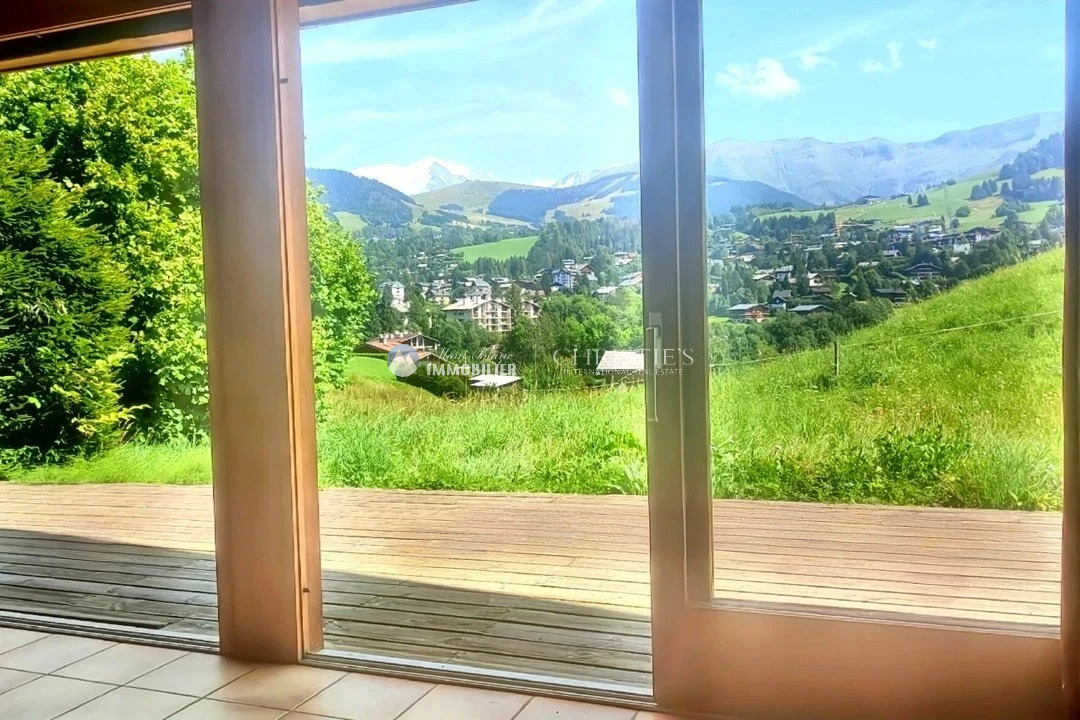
x,y
46,676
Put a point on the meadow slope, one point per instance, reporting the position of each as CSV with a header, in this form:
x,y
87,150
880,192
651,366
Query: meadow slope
x,y
967,417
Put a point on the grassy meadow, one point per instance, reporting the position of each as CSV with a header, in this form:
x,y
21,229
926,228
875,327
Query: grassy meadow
x,y
944,201
500,250
967,418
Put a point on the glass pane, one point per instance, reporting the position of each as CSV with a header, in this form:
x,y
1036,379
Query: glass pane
x,y
477,243
885,316
107,512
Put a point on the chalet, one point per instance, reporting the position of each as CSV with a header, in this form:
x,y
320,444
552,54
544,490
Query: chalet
x,y
890,254
439,295
902,233
809,309
625,258
981,234
764,276
530,310
606,291
893,294
783,274
622,364
748,312
492,315
423,344
477,293
493,382
868,200
631,280
815,280
922,271
572,272
779,299
396,291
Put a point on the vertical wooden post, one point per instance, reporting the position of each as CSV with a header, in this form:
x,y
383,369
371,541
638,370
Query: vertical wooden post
x,y
1070,533
258,308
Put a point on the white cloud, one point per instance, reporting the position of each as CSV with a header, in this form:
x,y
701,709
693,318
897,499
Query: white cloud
x,y
894,55
928,43
618,97
811,59
871,65
767,79
367,39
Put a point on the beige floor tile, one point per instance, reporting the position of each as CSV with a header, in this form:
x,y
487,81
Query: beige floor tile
x,y
10,638
448,702
48,697
120,664
366,697
552,709
657,716
278,686
130,704
217,710
51,653
195,674
305,716
14,678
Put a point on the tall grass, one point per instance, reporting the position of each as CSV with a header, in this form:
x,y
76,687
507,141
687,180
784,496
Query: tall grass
x,y
967,418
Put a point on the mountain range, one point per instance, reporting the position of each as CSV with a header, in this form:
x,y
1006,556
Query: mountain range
x,y
799,173
430,173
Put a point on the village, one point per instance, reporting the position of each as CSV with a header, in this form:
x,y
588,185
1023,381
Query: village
x,y
859,261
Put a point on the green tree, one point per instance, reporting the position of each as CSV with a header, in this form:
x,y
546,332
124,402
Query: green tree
x,y
121,134
963,211
62,303
341,295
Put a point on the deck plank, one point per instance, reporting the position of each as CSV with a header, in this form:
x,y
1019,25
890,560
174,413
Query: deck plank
x,y
534,583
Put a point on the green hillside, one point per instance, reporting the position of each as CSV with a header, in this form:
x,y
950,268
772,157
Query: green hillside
x,y
472,199
944,201
501,250
969,417
350,221
471,195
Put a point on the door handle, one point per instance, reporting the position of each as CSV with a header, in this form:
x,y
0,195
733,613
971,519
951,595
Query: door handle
x,y
654,340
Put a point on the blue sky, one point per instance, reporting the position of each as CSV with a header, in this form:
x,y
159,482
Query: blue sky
x,y
532,90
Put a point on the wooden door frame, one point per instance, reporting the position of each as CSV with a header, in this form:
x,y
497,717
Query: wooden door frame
x,y
764,660
258,318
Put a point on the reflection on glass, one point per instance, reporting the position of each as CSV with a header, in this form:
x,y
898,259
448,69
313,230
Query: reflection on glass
x,y
482,430
885,313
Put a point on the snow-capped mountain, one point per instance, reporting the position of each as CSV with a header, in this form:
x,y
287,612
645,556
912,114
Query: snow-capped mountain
x,y
584,176
425,175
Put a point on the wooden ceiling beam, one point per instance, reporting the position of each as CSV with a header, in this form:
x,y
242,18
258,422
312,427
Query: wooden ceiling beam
x,y
74,30
33,19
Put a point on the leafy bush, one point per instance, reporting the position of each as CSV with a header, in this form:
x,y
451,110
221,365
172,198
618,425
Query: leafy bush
x,y
62,301
452,386
121,135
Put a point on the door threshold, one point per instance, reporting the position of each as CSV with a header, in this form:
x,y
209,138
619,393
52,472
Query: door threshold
x,y
638,698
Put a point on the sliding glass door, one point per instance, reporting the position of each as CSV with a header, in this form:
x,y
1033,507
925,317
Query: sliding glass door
x,y
833,582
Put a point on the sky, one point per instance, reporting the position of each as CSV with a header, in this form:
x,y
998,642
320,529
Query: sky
x,y
533,90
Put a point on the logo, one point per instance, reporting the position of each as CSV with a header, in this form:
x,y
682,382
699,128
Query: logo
x,y
402,360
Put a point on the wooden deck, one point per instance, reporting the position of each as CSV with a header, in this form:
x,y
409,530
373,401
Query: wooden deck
x,y
541,584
